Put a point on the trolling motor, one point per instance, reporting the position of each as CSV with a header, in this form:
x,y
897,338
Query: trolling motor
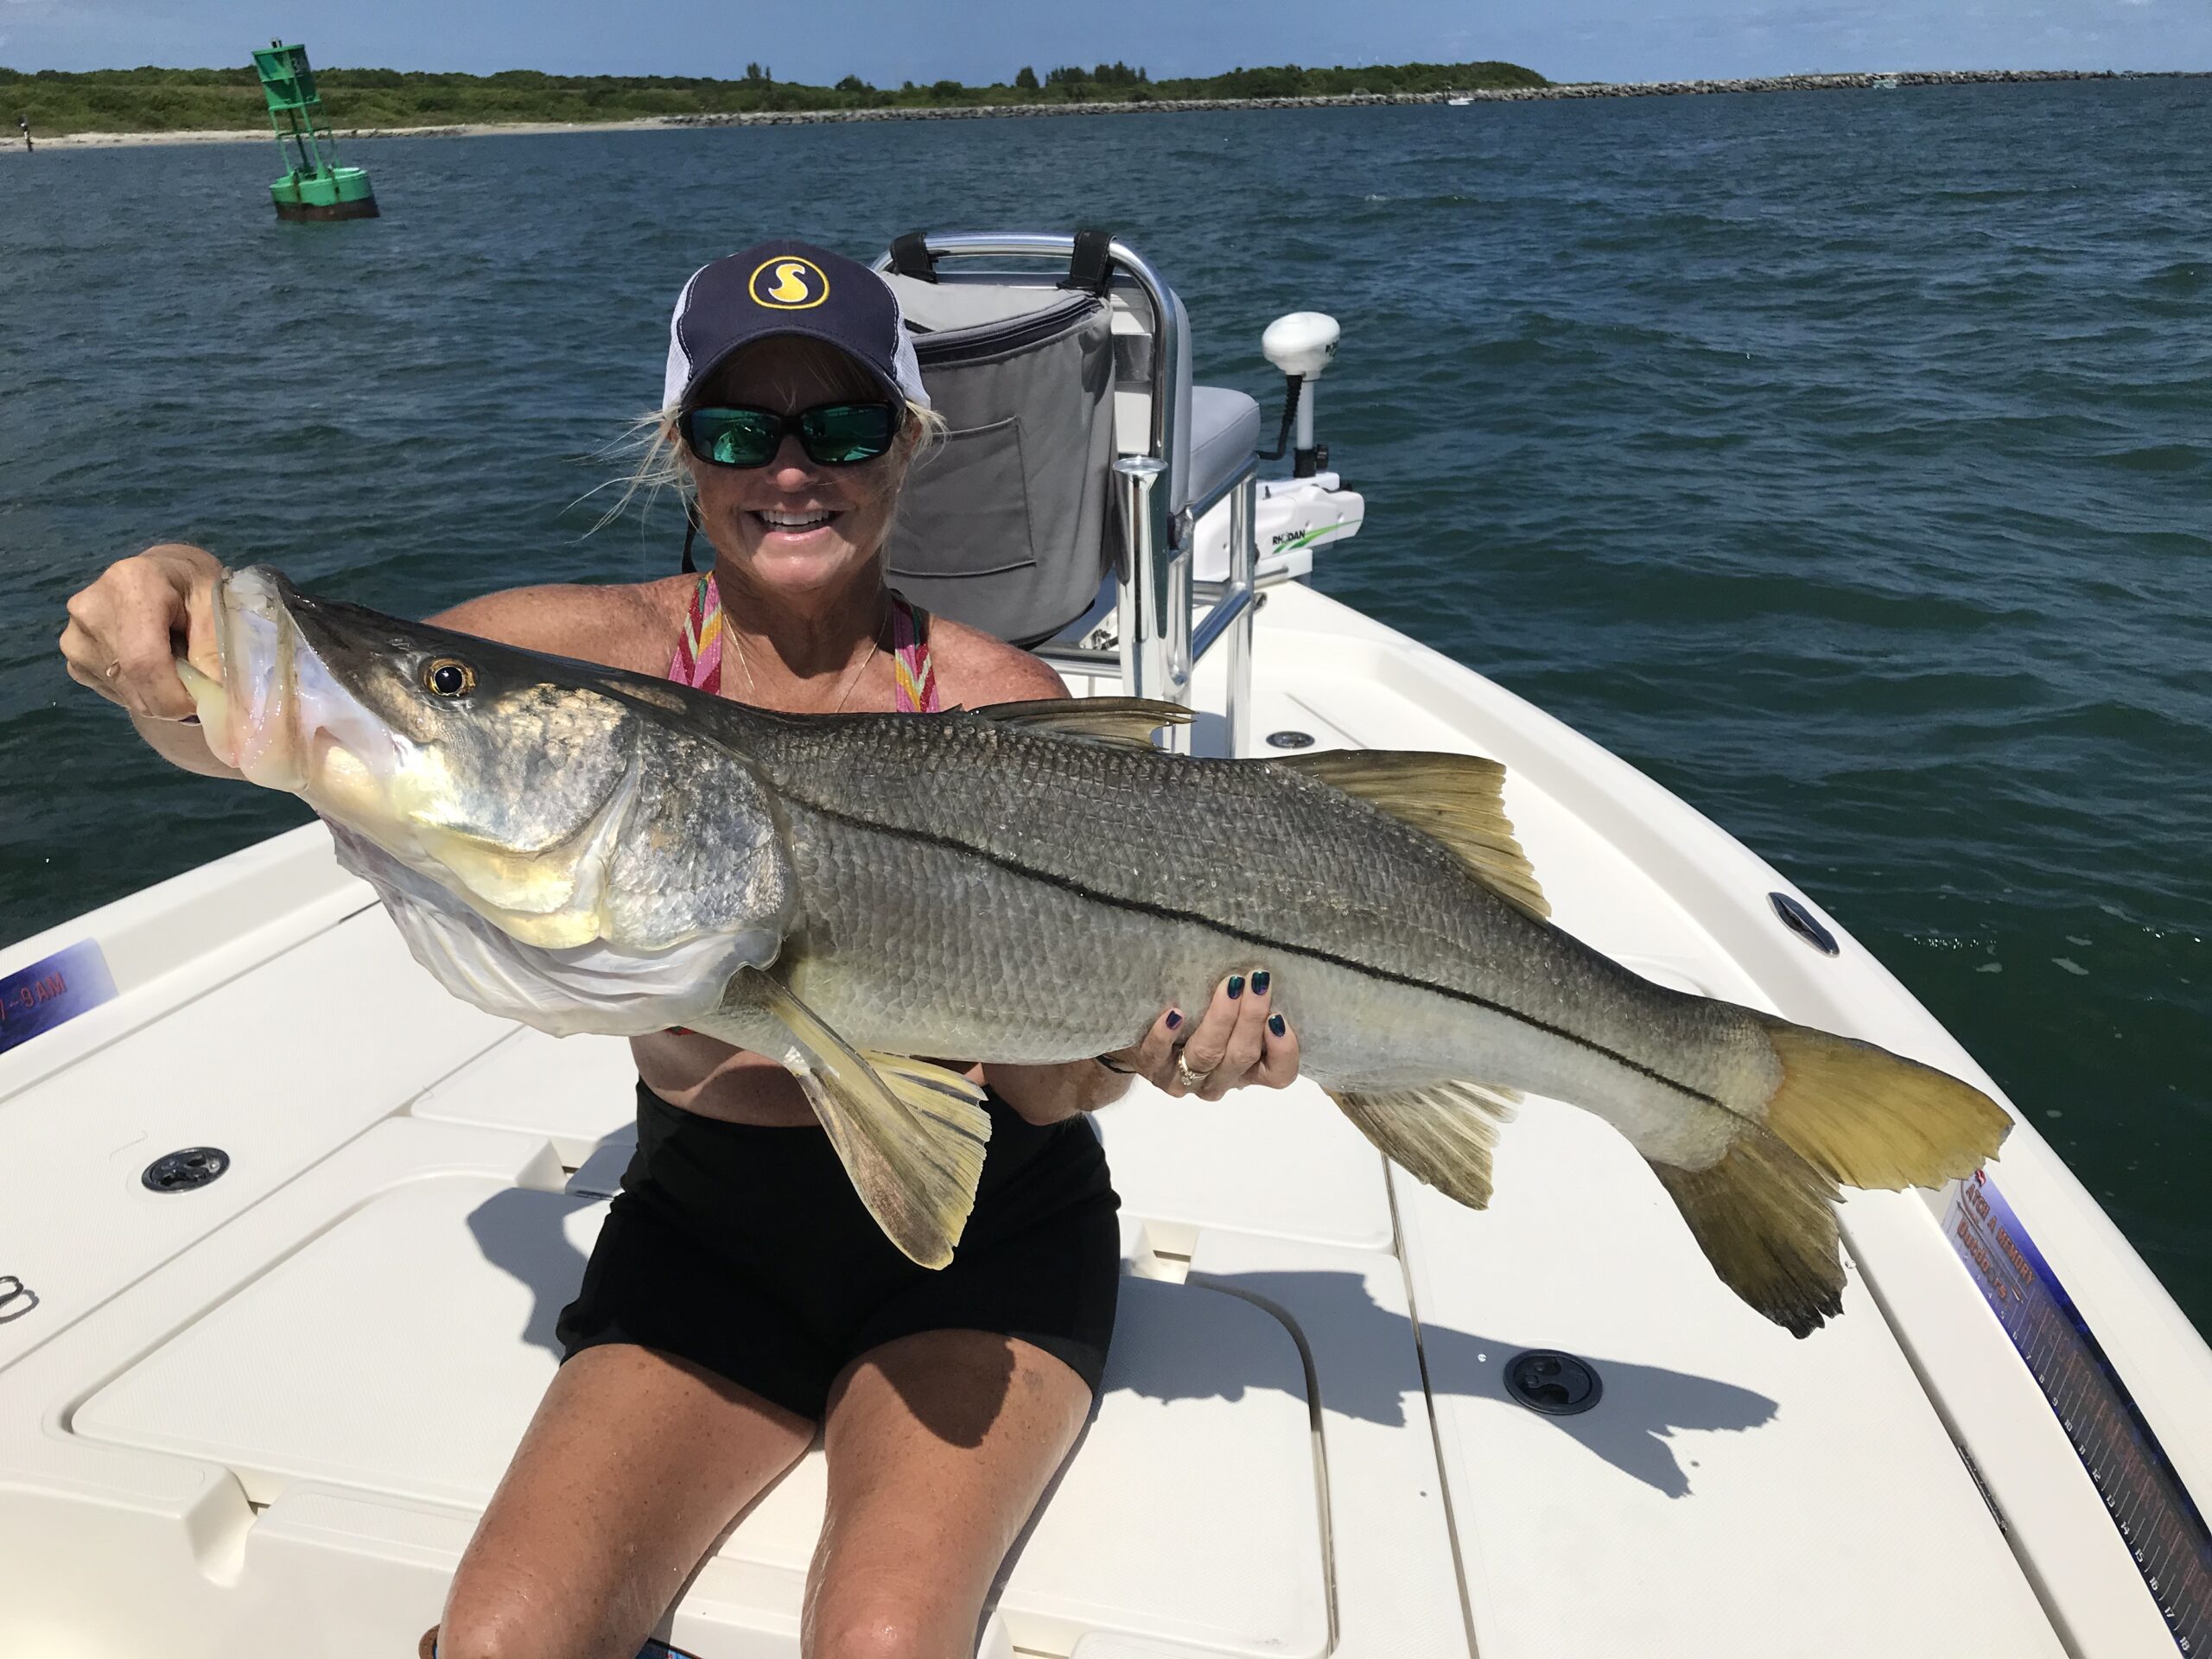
x,y
1301,345
1295,516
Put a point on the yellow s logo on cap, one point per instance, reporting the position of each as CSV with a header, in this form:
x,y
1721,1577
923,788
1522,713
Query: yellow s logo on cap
x,y
788,283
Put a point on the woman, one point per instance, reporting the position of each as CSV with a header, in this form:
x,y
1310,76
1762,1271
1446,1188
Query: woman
x,y
739,1298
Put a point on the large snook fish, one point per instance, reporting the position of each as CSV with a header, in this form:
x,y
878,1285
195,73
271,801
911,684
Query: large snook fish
x,y
584,849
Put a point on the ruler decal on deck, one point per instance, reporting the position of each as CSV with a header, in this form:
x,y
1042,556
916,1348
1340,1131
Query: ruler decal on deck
x,y
2161,1527
53,990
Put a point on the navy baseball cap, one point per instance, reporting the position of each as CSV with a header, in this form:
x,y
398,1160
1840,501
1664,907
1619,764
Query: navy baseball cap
x,y
787,288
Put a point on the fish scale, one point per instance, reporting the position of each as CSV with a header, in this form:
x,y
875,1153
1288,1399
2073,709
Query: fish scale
x,y
1254,864
1255,850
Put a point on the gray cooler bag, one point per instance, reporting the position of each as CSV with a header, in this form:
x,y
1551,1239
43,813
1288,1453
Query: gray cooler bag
x,y
1005,524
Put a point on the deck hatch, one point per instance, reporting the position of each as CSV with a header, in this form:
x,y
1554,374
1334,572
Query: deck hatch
x,y
185,1169
1557,1384
398,1354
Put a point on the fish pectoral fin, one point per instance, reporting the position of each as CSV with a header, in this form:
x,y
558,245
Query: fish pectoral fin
x,y
911,1134
1765,1219
1442,1133
1129,722
1456,799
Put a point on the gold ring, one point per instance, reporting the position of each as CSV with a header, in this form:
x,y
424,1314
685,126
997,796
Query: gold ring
x,y
1194,1080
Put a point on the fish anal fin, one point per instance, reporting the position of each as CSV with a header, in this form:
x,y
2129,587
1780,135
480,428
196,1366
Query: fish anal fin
x,y
911,1134
1129,722
1765,1219
1867,1118
1455,799
1442,1134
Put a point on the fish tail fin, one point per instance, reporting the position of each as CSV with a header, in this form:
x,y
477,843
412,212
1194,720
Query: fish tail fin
x,y
1442,1134
1865,1117
1844,1112
1765,1219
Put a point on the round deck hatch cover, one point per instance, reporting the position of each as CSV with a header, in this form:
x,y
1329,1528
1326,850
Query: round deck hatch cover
x,y
1291,740
1557,1384
185,1169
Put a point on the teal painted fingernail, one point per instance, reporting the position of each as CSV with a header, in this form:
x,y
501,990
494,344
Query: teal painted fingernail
x,y
1278,1025
1259,984
1235,986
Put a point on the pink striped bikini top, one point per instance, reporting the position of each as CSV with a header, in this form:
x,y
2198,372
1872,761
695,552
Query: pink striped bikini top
x,y
698,660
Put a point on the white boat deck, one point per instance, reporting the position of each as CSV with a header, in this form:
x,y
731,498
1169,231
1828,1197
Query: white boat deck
x,y
260,1417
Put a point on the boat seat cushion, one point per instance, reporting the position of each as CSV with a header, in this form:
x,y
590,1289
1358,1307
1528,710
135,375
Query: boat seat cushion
x,y
1224,431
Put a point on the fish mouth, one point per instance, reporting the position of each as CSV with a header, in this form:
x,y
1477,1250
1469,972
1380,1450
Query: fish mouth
x,y
285,719
279,715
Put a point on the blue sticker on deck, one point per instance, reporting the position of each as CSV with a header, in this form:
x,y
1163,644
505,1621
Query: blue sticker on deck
x,y
52,990
2159,1524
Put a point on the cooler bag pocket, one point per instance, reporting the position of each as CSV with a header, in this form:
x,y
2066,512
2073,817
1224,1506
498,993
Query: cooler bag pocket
x,y
973,519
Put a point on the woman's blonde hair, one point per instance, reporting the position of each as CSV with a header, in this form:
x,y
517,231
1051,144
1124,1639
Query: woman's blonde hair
x,y
657,446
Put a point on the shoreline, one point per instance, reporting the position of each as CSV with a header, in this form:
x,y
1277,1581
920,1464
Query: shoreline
x,y
1855,81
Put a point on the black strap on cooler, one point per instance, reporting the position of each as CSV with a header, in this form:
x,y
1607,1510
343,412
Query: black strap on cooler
x,y
910,257
1091,266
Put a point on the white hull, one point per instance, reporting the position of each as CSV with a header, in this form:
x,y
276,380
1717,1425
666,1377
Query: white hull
x,y
260,1417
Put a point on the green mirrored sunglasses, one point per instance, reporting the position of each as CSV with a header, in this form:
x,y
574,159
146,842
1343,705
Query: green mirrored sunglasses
x,y
832,435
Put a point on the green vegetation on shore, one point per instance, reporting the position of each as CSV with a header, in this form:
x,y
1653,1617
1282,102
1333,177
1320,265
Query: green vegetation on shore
x,y
174,101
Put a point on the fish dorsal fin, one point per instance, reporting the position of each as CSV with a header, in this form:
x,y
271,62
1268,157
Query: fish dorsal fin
x,y
1129,722
1454,797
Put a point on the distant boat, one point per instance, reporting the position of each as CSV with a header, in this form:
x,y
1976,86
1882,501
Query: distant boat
x,y
1459,103
1885,83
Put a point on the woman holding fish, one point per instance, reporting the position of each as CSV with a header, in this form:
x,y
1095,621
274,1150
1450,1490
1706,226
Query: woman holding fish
x,y
740,1296
592,848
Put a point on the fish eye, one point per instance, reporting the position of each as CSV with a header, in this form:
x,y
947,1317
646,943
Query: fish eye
x,y
448,677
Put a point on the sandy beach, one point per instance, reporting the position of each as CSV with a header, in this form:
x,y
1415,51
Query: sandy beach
x,y
261,135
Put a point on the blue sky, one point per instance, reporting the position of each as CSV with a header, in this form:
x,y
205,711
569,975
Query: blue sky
x,y
888,40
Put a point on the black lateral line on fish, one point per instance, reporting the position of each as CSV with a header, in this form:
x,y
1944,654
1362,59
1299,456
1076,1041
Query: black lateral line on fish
x,y
1069,884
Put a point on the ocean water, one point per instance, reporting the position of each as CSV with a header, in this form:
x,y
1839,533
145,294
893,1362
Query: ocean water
x,y
1843,460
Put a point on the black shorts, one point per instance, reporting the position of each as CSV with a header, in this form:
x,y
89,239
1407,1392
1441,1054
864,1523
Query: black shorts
x,y
746,1251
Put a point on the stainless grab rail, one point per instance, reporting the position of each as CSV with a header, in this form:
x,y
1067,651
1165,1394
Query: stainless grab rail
x,y
1235,605
1159,645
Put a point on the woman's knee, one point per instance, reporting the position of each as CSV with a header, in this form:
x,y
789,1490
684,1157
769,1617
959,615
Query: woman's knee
x,y
885,1621
472,1637
492,1625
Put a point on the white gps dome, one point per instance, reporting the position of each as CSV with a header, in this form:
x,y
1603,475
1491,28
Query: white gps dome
x,y
1303,343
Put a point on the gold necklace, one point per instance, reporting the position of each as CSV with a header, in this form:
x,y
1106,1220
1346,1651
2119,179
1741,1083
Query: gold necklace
x,y
875,644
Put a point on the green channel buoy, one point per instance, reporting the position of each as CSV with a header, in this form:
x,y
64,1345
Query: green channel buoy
x,y
315,186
